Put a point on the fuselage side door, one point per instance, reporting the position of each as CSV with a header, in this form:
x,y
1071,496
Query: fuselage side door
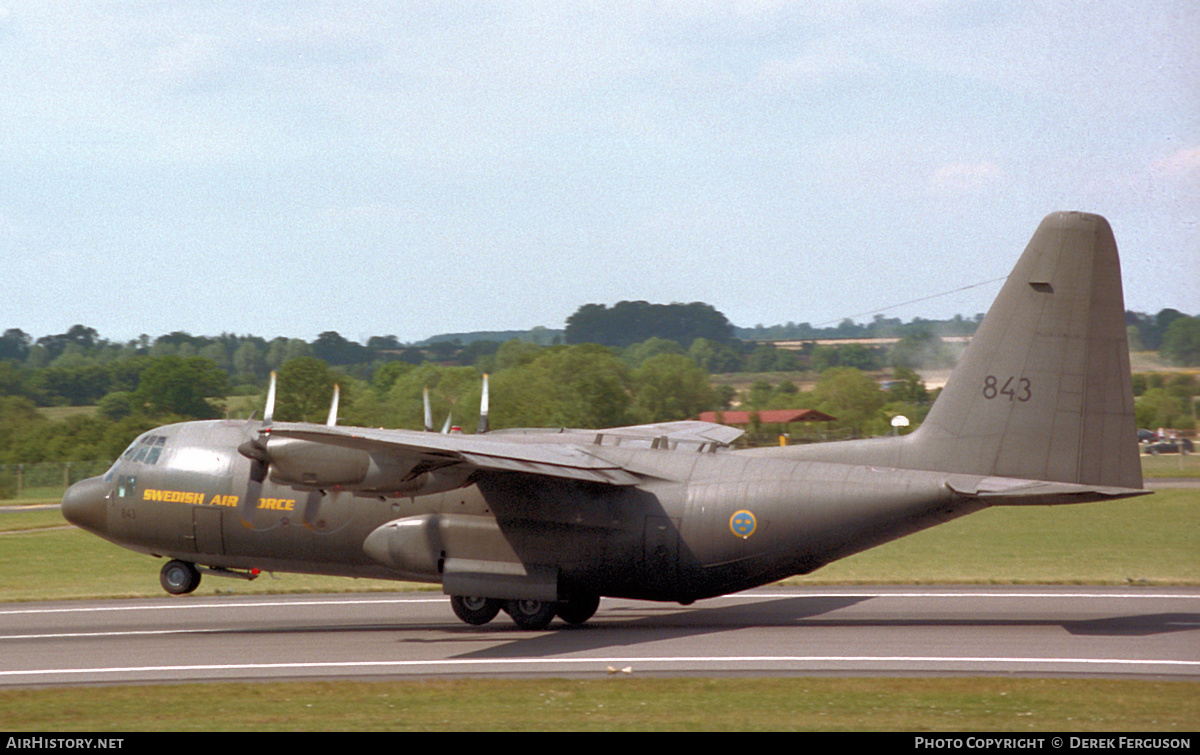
x,y
208,529
660,553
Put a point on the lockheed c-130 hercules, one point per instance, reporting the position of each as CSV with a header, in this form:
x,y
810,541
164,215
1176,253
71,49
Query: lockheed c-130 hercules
x,y
542,523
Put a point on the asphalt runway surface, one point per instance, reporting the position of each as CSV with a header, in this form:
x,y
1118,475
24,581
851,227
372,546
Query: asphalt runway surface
x,y
1138,632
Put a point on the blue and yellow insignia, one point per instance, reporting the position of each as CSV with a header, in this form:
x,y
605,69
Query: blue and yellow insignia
x,y
742,523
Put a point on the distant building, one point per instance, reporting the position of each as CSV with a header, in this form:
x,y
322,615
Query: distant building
x,y
766,417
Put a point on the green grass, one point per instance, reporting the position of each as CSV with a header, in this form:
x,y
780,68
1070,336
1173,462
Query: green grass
x,y
32,519
59,413
620,704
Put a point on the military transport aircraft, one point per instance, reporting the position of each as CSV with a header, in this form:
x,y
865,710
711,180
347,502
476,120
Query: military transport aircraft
x,y
542,523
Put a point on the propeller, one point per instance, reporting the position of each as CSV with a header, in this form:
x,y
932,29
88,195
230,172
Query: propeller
x,y
483,408
484,424
255,449
333,407
269,411
429,416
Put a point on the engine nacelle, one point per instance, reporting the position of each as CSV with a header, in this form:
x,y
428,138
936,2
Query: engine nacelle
x,y
316,465
322,466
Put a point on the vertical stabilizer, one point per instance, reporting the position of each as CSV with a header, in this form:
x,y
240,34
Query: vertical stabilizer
x,y
1044,390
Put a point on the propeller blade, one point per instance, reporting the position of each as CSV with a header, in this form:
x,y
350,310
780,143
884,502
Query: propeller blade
x,y
333,408
483,408
255,449
428,413
446,427
269,412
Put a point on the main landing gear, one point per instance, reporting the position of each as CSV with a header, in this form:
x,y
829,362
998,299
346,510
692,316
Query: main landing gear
x,y
527,614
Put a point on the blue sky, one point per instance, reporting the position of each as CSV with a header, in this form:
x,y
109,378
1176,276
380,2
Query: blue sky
x,y
389,168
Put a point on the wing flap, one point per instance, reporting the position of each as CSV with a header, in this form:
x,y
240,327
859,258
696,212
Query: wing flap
x,y
686,431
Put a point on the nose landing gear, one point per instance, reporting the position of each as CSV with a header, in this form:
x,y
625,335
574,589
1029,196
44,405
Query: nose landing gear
x,y
179,577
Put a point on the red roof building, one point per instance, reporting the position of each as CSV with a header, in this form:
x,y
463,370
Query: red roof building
x,y
766,417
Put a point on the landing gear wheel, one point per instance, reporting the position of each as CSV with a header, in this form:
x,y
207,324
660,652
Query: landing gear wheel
x,y
476,611
179,577
531,614
578,609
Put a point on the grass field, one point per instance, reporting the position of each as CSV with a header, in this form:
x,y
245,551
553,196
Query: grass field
x,y
621,704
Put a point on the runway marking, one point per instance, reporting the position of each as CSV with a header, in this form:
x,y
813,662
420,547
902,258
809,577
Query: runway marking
x,y
222,606
671,662
127,633
181,606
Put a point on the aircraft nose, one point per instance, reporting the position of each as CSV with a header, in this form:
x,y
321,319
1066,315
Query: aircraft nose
x,y
85,504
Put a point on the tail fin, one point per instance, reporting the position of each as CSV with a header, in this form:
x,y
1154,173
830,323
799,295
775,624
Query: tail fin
x,y
1044,390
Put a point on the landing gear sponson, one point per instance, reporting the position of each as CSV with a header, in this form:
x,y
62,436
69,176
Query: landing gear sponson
x,y
527,614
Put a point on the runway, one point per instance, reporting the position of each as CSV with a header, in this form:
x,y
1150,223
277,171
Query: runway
x,y
1144,632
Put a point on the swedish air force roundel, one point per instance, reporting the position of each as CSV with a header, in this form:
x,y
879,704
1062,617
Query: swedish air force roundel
x,y
742,523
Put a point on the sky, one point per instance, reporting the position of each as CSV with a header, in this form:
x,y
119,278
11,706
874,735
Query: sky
x,y
416,168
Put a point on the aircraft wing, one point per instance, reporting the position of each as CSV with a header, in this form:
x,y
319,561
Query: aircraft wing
x,y
687,431
436,451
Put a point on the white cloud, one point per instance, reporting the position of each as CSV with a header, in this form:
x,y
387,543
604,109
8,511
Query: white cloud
x,y
957,178
827,62
1183,163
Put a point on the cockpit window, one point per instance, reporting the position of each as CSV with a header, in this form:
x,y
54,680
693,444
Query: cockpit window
x,y
146,449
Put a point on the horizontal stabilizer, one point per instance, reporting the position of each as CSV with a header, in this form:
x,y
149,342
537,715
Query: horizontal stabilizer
x,y
1007,491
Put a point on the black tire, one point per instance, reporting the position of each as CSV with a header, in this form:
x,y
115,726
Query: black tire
x,y
474,611
531,614
179,577
579,609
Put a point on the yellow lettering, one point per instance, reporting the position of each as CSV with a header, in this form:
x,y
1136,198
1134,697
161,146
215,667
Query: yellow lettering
x,y
177,496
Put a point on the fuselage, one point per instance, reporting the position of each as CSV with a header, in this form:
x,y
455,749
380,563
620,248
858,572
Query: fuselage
x,y
701,523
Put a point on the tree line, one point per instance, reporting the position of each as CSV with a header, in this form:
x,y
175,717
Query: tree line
x,y
137,385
